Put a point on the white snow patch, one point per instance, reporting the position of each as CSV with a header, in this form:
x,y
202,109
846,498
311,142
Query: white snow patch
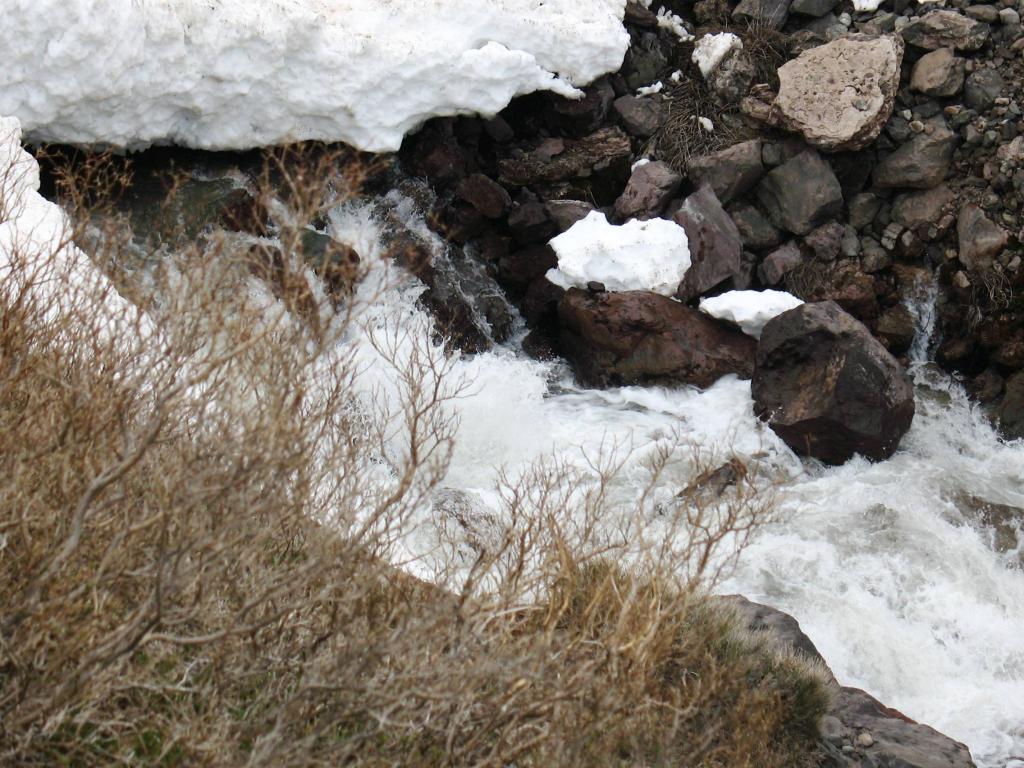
x,y
750,310
639,163
637,256
40,266
232,74
650,90
710,50
866,5
676,76
668,20
706,124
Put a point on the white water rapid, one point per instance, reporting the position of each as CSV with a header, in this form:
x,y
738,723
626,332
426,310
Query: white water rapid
x,y
893,569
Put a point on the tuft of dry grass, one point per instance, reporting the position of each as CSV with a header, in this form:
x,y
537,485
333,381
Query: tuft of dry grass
x,y
200,528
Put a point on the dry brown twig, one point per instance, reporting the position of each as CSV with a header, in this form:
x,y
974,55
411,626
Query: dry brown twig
x,y
194,559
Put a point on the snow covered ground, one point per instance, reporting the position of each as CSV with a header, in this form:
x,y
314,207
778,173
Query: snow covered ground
x,y
38,262
637,256
750,310
231,74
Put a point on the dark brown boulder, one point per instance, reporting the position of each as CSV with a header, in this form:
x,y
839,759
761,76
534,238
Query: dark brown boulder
x,y
638,337
828,388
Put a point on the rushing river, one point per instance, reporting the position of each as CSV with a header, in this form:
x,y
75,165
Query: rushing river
x,y
907,574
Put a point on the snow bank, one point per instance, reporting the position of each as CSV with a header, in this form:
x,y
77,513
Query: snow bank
x,y
38,261
232,74
638,256
710,50
750,310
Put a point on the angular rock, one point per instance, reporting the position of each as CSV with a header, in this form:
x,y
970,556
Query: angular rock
x,y
980,238
517,269
921,163
863,209
648,191
771,13
825,241
920,211
731,171
755,230
779,263
939,73
732,78
946,29
875,734
896,328
530,223
641,116
840,95
828,388
637,337
982,88
486,196
565,213
801,193
715,244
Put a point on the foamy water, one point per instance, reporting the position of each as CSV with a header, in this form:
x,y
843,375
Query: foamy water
x,y
899,584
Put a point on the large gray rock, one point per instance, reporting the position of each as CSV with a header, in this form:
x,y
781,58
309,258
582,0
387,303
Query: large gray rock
x,y
801,193
715,244
939,73
731,171
980,238
840,95
921,163
858,731
828,388
638,337
946,29
648,191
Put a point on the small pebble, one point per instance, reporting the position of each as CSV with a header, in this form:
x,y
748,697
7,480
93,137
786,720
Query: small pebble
x,y
865,740
846,20
1009,16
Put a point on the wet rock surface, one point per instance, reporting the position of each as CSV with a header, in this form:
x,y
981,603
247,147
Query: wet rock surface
x,y
859,731
828,388
638,337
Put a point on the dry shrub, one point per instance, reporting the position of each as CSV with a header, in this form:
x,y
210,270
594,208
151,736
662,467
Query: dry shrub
x,y
197,531
767,47
681,138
